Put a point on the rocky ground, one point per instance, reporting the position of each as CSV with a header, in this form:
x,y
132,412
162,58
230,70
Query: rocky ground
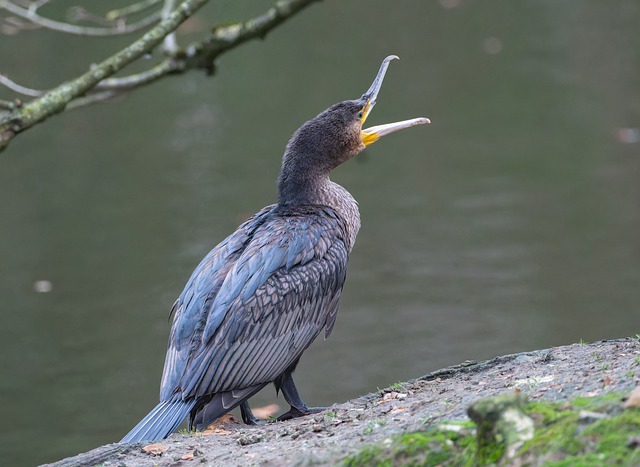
x,y
329,437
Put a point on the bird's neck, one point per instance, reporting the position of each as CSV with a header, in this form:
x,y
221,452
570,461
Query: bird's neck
x,y
307,188
304,186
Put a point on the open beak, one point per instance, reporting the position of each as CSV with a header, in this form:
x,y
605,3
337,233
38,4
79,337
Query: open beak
x,y
373,134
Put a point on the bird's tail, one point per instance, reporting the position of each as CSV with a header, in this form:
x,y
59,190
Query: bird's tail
x,y
160,422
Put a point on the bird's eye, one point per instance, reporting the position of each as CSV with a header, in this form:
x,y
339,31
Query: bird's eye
x,y
360,114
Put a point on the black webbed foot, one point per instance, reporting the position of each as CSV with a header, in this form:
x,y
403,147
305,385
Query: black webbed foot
x,y
298,407
247,415
295,412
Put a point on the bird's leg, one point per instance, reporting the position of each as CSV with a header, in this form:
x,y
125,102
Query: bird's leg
x,y
298,407
247,415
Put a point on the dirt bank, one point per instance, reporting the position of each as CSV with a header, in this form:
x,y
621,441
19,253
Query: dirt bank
x,y
325,439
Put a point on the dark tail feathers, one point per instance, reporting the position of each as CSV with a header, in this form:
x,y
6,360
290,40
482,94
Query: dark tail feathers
x,y
160,422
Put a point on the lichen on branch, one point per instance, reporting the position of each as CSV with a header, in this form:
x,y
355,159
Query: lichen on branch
x,y
98,79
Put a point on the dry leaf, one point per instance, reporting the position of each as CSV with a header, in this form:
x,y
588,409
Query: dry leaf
x,y
607,381
634,398
155,449
219,423
187,457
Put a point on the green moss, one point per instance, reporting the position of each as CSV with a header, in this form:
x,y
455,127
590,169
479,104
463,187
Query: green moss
x,y
439,445
371,455
562,439
610,437
556,432
596,403
569,441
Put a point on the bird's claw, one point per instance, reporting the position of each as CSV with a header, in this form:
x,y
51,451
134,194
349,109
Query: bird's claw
x,y
296,412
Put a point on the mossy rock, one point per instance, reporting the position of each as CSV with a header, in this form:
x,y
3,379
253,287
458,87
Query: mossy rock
x,y
583,432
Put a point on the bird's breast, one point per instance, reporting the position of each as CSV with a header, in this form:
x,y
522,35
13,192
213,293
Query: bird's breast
x,y
345,205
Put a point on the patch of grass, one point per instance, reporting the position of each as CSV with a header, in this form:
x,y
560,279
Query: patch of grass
x,y
397,386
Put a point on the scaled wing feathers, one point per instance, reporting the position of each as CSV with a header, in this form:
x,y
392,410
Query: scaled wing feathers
x,y
256,302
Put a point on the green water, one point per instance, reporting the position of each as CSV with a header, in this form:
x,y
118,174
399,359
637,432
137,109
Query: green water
x,y
510,223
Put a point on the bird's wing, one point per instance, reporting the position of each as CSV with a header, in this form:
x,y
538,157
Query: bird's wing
x,y
276,297
191,309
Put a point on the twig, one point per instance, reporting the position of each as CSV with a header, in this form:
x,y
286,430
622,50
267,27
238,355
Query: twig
x,y
93,99
170,44
9,83
7,105
35,18
227,37
57,99
163,68
130,9
200,55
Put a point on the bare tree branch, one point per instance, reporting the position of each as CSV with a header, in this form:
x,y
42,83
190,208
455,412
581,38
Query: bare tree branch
x,y
224,38
93,99
163,68
57,99
170,43
131,9
197,56
31,15
7,105
9,83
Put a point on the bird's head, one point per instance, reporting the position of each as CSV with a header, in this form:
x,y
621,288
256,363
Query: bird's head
x,y
337,134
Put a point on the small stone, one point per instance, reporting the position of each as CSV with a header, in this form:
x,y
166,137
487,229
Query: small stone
x,y
246,440
633,442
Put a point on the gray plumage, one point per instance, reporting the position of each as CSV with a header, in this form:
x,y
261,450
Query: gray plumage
x,y
258,299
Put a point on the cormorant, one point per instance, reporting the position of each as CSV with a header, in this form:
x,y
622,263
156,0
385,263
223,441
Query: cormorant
x,y
259,298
